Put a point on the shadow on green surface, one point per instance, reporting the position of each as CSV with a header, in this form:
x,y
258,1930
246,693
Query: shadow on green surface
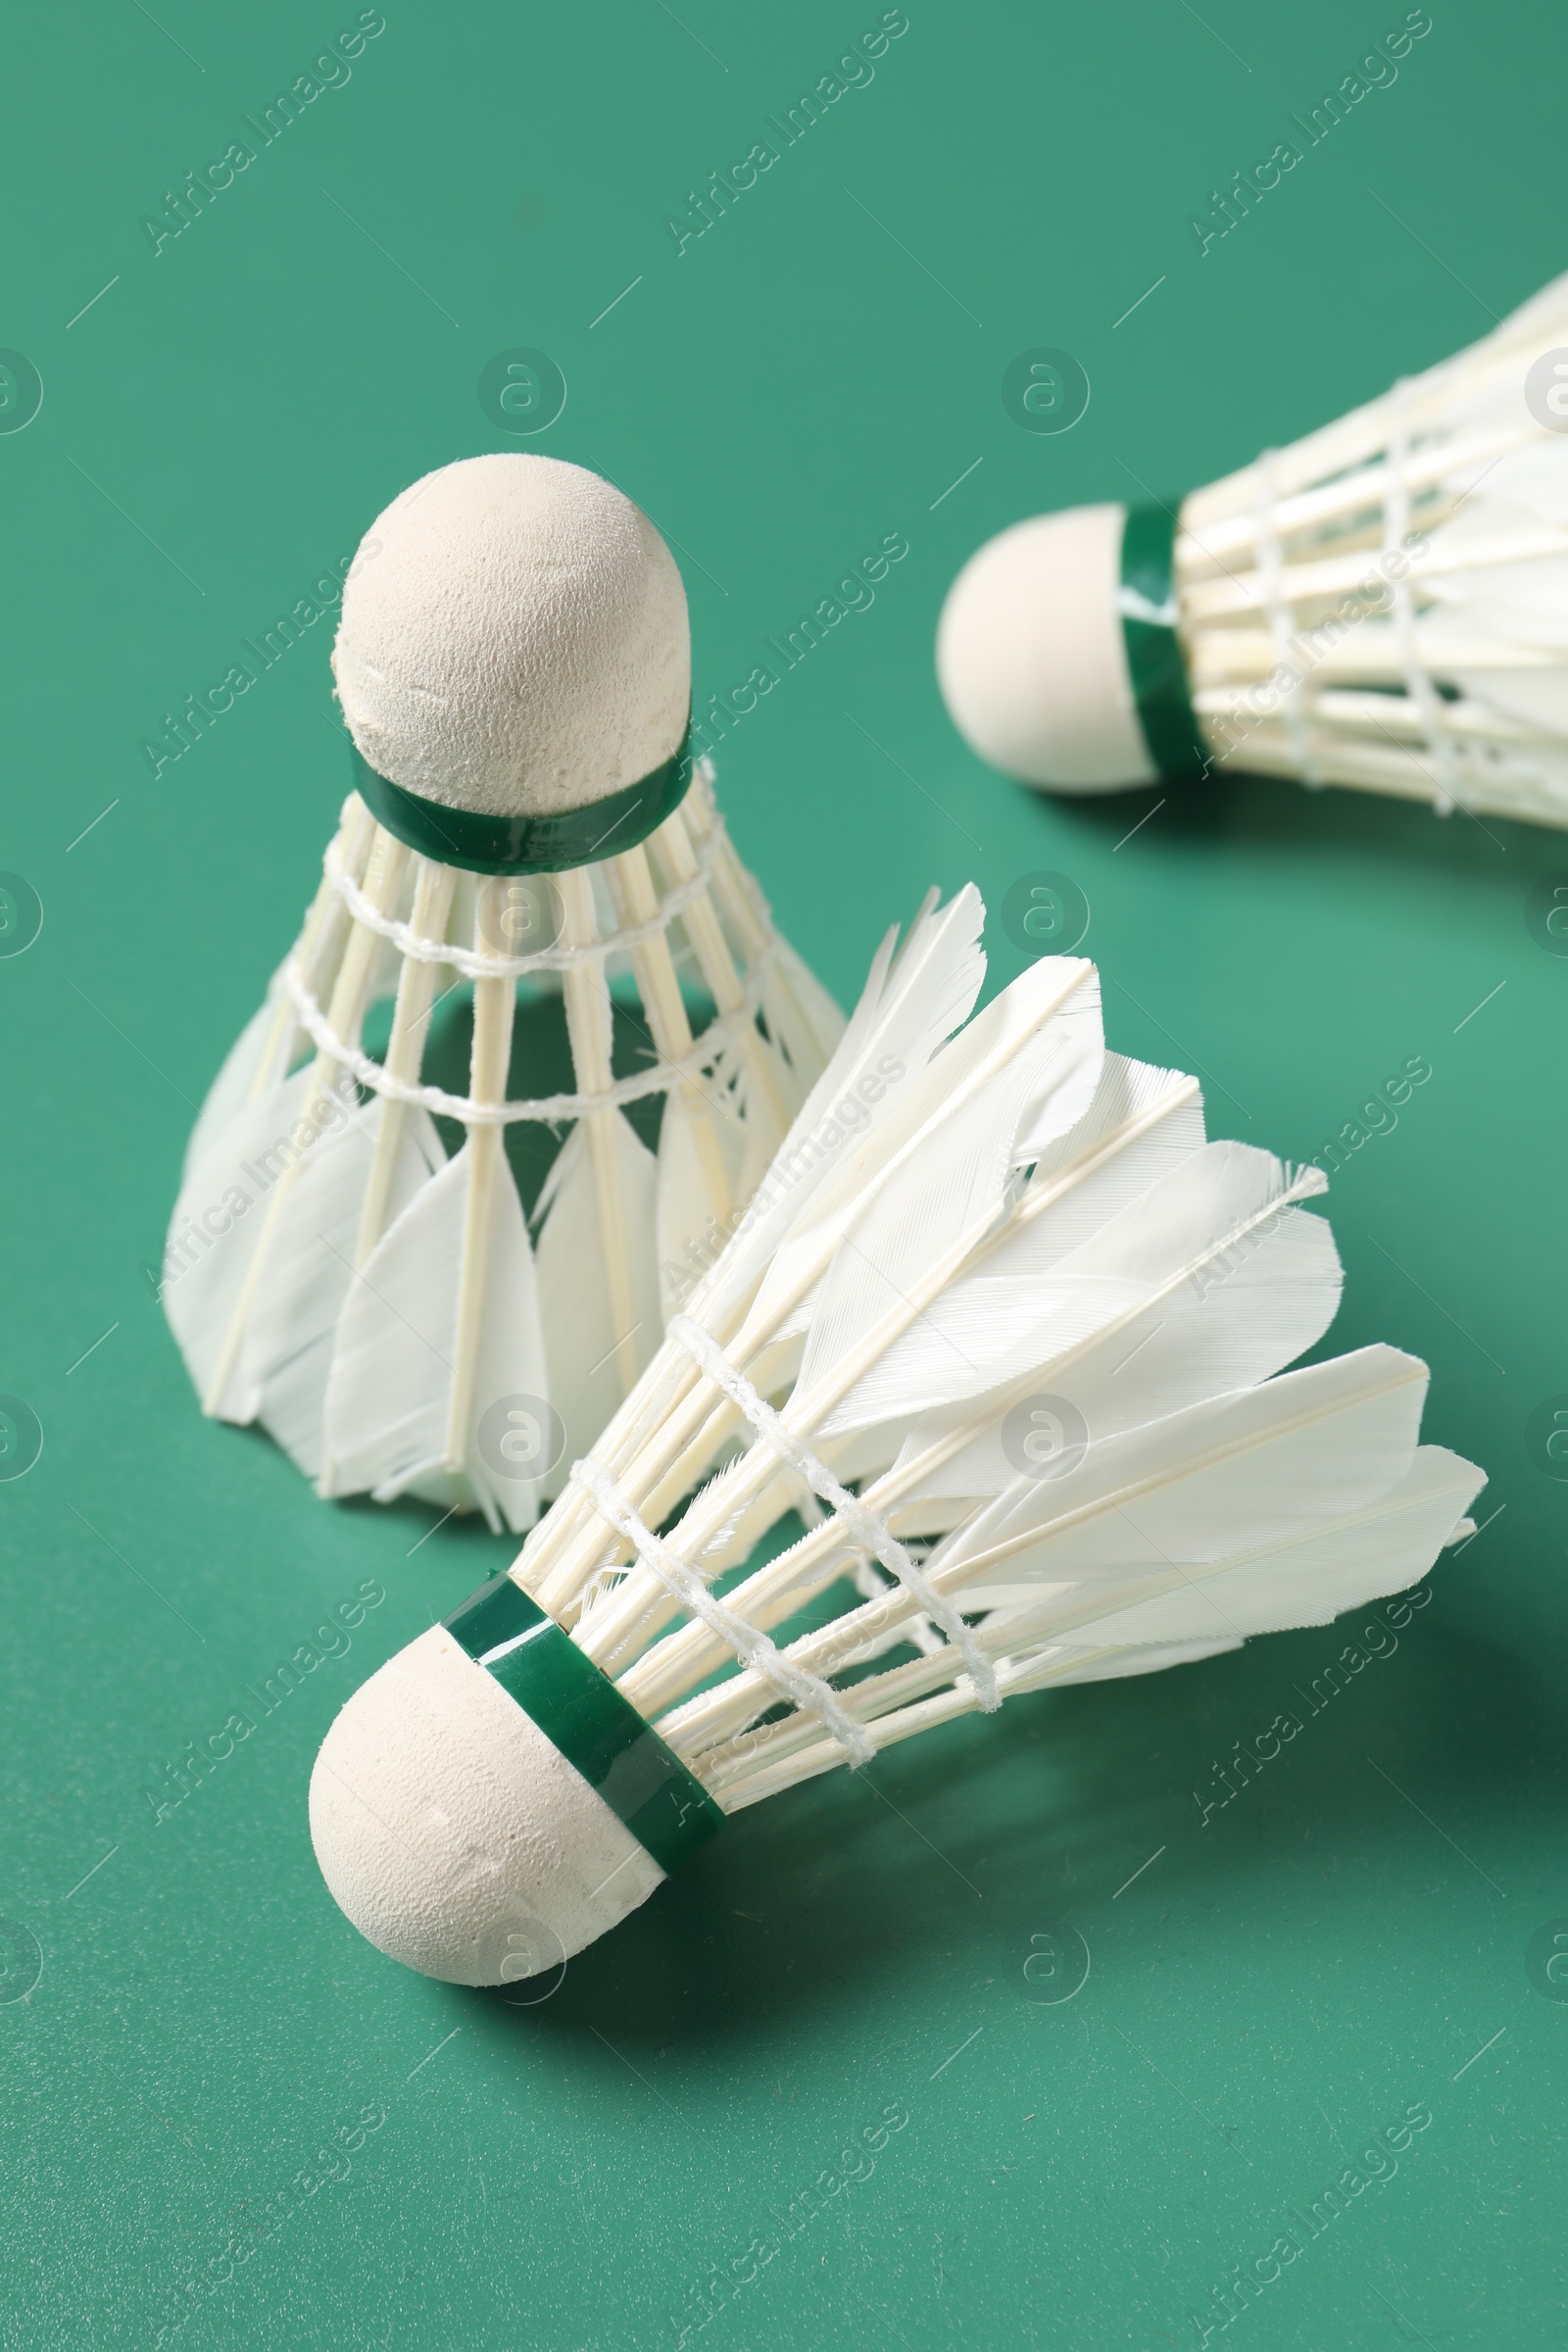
x,y
1329,826
963,1848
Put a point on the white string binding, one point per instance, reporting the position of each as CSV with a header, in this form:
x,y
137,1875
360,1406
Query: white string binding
x,y
801,1690
474,965
547,1109
1280,618
1418,685
862,1524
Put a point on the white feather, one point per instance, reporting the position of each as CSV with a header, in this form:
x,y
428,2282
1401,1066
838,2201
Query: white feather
x,y
803,1021
233,1087
1142,1124
387,1408
1153,1284
244,1188
1436,519
1148,1119
911,1002
700,1177
1205,1284
211,1237
1009,1076
286,1357
1309,1577
1247,1468
945,1147
587,1333
1067,1664
1290,1499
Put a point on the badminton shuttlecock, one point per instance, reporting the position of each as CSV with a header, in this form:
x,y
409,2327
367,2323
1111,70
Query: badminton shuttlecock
x,y
1010,1335
1383,605
514,667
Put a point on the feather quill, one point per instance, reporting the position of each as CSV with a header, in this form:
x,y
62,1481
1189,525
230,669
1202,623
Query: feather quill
x,y
592,1332
243,1078
286,1355
1026,1083
1027,1217
389,1403
1255,1497
911,1003
213,1230
701,1177
1309,1577
1213,1280
1248,1467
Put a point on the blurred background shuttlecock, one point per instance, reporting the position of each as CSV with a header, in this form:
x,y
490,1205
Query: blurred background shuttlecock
x,y
530,924
1382,605
1011,1336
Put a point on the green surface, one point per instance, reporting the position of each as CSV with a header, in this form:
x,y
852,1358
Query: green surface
x,y
215,2084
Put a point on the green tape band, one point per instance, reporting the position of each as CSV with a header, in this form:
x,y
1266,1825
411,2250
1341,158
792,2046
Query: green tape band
x,y
526,844
1154,664
581,1712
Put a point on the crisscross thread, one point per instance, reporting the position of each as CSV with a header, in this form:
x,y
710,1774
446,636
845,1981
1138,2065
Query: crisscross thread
x,y
1424,696
476,966
716,1039
862,1524
807,1691
1280,618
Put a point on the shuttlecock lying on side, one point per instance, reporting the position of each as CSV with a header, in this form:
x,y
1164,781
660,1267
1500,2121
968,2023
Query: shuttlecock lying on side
x,y
1006,1328
515,667
1383,605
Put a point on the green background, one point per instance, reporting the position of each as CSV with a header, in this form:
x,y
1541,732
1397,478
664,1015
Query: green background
x,y
1330,1949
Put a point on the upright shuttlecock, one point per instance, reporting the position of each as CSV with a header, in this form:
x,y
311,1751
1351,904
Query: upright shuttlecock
x,y
1010,1335
514,665
1382,605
